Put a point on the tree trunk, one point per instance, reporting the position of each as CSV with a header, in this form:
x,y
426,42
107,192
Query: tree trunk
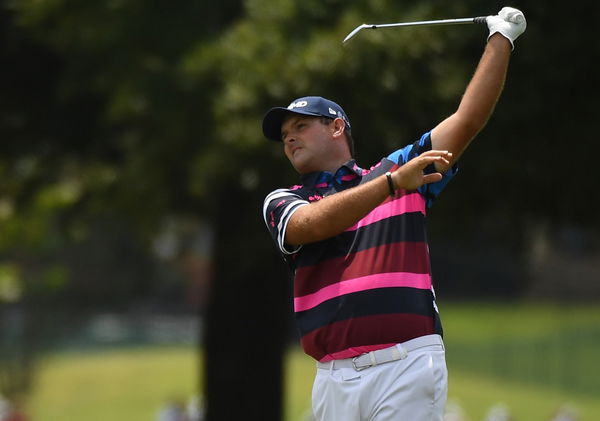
x,y
248,316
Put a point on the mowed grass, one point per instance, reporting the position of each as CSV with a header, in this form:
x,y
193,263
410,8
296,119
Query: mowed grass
x,y
127,384
132,384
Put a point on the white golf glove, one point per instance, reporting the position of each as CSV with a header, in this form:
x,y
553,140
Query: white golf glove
x,y
509,22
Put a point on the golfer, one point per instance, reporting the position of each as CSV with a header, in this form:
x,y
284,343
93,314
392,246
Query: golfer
x,y
355,240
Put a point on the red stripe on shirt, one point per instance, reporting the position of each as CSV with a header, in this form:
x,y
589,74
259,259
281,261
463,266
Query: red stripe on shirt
x,y
388,258
349,338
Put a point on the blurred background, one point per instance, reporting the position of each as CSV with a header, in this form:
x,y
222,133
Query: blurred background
x,y
137,279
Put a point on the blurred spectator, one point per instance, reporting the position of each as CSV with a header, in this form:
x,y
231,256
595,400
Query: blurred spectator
x,y
454,412
172,411
565,414
4,408
10,411
498,412
195,409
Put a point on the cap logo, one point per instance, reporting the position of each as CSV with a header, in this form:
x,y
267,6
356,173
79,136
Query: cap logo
x,y
331,111
298,104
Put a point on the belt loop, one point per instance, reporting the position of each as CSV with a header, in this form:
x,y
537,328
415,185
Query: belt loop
x,y
373,359
402,353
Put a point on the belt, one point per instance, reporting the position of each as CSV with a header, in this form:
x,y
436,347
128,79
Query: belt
x,y
382,356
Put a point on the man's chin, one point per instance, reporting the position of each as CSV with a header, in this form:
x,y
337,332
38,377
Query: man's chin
x,y
300,165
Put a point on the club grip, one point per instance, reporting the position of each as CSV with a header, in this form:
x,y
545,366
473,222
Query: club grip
x,y
514,17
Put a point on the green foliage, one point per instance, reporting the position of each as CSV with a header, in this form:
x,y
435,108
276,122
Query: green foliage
x,y
102,126
10,288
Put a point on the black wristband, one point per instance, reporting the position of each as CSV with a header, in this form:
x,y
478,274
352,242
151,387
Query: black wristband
x,y
388,176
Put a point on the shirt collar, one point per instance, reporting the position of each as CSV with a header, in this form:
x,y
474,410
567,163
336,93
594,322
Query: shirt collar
x,y
349,170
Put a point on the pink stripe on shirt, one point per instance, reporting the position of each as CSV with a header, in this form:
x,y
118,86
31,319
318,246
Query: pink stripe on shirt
x,y
412,202
379,280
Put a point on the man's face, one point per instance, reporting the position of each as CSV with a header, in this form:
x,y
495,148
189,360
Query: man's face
x,y
306,142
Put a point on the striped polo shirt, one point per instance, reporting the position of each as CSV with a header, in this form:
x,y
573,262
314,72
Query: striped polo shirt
x,y
369,287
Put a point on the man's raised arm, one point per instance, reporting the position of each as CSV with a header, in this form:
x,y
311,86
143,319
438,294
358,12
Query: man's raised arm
x,y
456,132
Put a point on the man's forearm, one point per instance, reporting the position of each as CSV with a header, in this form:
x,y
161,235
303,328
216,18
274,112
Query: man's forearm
x,y
333,214
483,91
478,102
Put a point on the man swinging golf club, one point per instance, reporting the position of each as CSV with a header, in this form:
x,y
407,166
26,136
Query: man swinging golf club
x,y
355,240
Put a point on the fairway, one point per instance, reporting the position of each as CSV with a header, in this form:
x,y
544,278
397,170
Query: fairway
x,y
134,383
129,384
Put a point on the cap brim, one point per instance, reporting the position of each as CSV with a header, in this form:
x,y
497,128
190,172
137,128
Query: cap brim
x,y
272,123
273,119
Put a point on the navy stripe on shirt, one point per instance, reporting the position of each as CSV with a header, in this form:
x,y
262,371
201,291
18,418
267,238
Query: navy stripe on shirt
x,y
406,227
366,303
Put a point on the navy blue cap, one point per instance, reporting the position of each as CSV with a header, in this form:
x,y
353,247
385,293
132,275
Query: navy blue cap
x,y
308,105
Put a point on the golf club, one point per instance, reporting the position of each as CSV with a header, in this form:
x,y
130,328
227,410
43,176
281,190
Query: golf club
x,y
514,18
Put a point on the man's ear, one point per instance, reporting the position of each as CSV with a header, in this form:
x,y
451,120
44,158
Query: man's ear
x,y
338,127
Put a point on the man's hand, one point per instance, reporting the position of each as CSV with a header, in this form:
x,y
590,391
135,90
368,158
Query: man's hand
x,y
410,175
509,22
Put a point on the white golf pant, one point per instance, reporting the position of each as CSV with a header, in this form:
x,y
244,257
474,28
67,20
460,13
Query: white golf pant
x,y
413,388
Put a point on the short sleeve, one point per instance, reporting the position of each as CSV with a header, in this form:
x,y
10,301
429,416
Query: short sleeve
x,y
278,208
402,156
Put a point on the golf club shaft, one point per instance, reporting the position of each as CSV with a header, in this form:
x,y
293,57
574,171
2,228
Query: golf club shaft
x,y
480,19
432,22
